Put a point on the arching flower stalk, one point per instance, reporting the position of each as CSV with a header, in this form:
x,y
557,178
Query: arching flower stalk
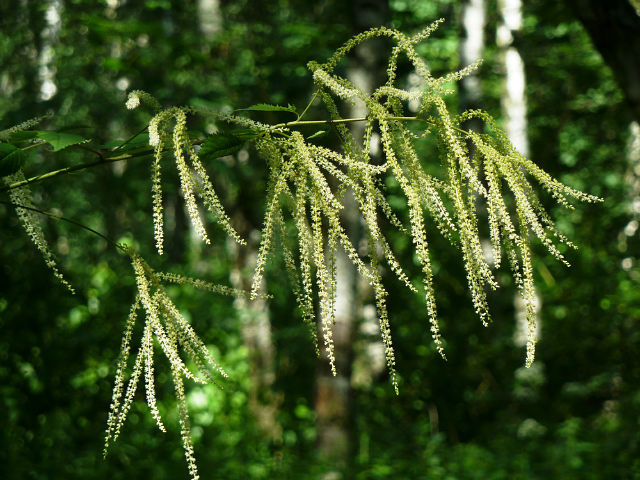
x,y
299,185
304,203
22,126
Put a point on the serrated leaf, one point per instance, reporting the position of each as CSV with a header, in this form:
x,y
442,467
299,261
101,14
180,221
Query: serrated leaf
x,y
244,134
265,107
11,159
77,126
110,144
60,140
219,145
319,133
23,136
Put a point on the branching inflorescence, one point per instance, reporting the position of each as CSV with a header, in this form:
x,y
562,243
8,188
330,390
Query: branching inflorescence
x,y
193,178
484,177
172,332
306,181
21,198
302,174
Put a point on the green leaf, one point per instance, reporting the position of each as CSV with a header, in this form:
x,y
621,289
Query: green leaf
x,y
23,136
76,126
319,133
139,141
264,107
219,145
59,140
111,144
195,133
244,134
11,159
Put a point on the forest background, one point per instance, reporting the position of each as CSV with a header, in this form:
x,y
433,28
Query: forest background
x,y
575,414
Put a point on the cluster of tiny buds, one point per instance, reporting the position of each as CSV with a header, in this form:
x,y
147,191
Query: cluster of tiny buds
x,y
136,97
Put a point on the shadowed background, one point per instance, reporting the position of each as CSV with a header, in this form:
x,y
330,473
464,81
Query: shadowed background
x,y
573,415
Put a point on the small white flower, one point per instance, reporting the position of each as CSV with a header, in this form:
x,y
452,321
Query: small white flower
x,y
154,136
133,101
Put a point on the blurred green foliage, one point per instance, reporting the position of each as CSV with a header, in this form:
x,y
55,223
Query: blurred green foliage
x,y
574,415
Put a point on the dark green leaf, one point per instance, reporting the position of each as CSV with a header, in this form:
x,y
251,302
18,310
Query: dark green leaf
x,y
23,136
219,145
244,134
11,159
139,141
77,126
59,140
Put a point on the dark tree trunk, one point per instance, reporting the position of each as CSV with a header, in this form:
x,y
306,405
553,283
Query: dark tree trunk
x,y
614,28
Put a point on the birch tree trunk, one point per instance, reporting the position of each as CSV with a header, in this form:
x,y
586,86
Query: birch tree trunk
x,y
632,179
253,315
334,394
473,16
471,48
46,68
514,112
256,335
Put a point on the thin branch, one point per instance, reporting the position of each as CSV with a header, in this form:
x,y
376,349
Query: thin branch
x,y
33,145
296,123
68,220
313,99
129,139
82,166
127,156
89,149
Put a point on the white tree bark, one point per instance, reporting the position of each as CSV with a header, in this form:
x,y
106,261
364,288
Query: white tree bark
x,y
46,69
209,18
514,102
514,112
630,263
471,47
333,397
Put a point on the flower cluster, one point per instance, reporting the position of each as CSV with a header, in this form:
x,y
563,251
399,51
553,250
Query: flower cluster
x,y
298,183
21,197
136,97
171,331
194,179
484,177
26,125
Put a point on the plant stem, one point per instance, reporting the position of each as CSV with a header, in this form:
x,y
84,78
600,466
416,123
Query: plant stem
x,y
129,139
313,99
127,156
33,145
68,220
82,166
296,123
